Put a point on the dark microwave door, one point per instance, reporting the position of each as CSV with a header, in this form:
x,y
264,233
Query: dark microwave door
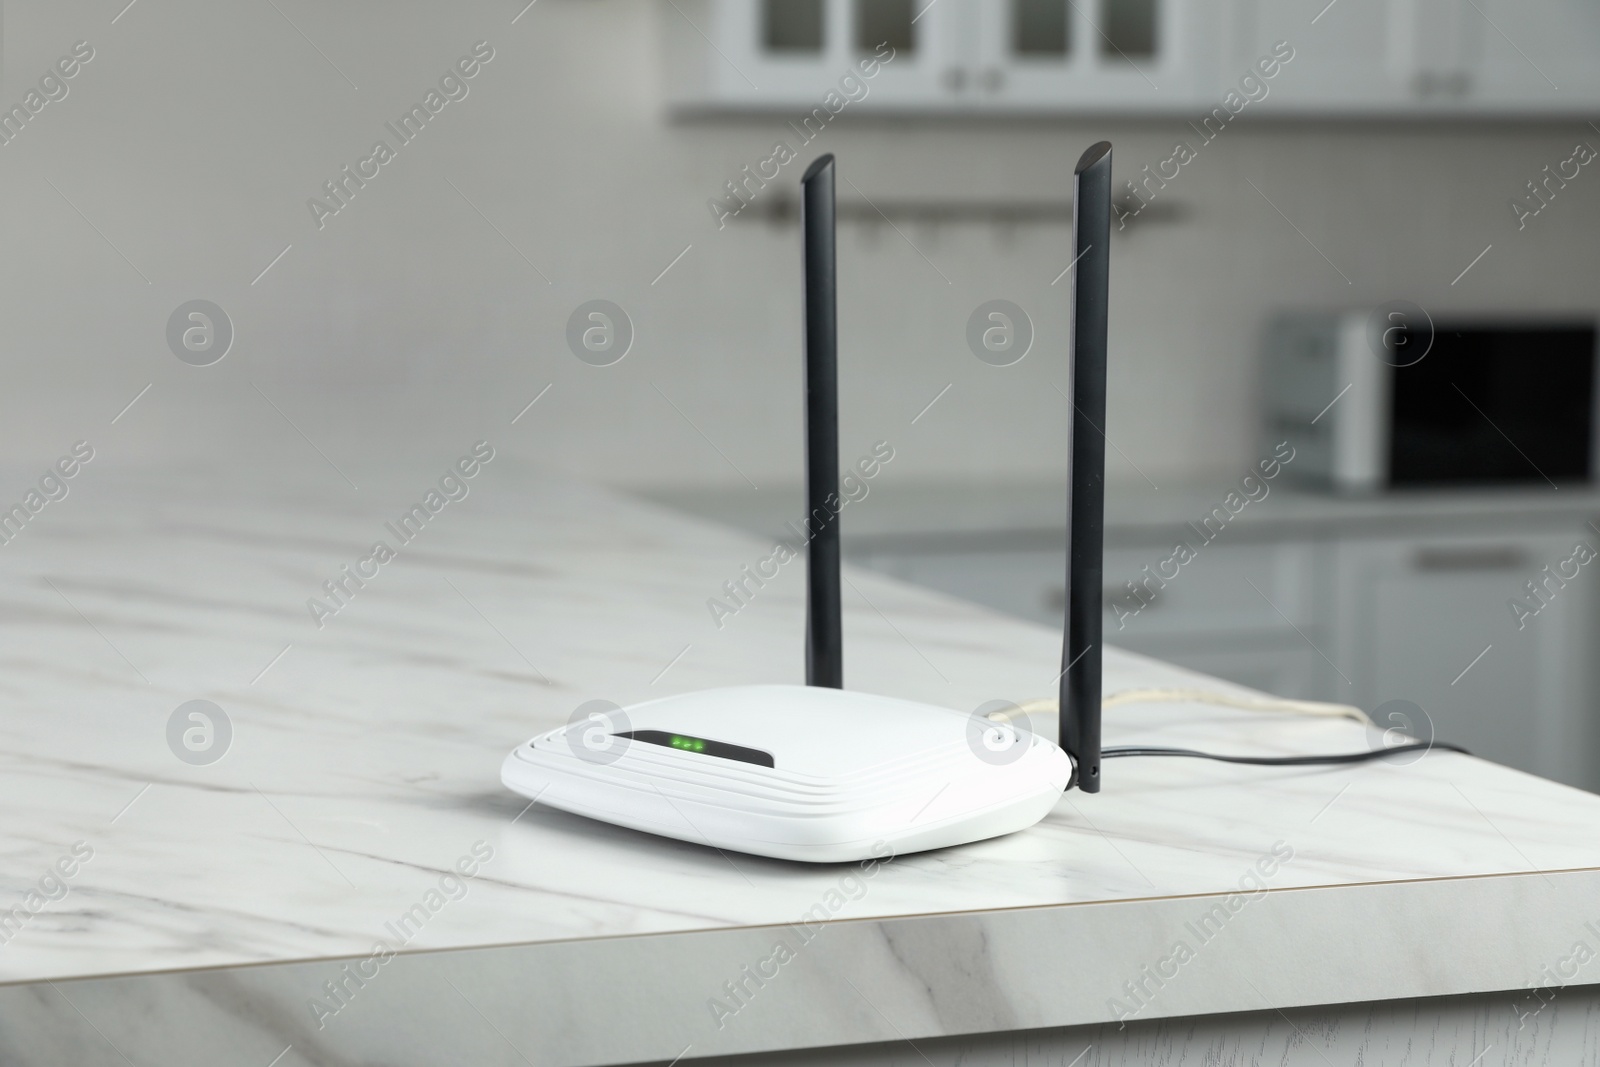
x,y
1495,405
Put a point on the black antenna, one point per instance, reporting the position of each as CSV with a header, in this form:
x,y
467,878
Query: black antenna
x,y
824,632
1080,649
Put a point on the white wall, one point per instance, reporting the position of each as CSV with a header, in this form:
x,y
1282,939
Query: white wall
x,y
407,327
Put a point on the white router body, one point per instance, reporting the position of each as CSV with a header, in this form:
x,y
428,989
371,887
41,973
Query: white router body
x,y
796,772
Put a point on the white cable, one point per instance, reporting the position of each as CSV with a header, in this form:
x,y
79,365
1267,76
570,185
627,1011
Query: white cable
x,y
1206,696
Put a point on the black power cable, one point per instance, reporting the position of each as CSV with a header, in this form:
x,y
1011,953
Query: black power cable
x,y
1283,761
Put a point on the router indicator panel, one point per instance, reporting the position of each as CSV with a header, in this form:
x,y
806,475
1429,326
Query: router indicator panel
x,y
702,746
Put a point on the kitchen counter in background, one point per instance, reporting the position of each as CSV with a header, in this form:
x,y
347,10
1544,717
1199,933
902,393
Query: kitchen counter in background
x,y
1404,603
220,904
949,514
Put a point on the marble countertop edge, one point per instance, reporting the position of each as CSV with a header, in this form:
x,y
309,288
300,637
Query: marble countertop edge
x,y
860,980
1135,902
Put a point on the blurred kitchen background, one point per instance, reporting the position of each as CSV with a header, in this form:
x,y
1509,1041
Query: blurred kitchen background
x,y
1293,174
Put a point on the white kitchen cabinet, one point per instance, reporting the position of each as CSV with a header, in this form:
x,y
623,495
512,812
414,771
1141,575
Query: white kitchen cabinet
x,y
1368,56
1173,58
1355,619
1237,588
1242,611
1344,62
1027,56
1427,620
1416,58
1537,56
1232,589
1245,611
1019,581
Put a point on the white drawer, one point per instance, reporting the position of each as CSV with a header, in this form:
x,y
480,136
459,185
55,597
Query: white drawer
x,y
1223,589
1234,589
1026,583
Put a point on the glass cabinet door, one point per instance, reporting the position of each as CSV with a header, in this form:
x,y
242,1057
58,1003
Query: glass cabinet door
x,y
794,53
1116,55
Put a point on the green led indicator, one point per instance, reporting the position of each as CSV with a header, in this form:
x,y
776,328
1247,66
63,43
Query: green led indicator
x,y
688,744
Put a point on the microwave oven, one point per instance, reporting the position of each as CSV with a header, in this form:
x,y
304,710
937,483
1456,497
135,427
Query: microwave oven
x,y
1392,399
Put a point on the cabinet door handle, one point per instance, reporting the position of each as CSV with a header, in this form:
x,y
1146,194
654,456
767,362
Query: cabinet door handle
x,y
1428,84
1473,558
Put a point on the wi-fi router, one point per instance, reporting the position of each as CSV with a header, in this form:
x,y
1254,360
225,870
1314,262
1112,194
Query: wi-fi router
x,y
821,773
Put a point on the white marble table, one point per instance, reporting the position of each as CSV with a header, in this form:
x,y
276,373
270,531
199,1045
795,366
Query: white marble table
x,y
220,901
